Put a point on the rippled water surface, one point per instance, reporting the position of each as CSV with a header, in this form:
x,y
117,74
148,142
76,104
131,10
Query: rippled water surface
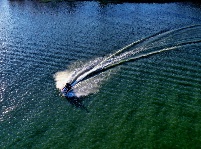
x,y
151,101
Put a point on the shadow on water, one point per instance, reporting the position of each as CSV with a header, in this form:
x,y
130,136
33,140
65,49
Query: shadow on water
x,y
77,102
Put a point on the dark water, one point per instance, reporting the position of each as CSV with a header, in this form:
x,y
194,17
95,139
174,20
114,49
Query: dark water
x,y
150,102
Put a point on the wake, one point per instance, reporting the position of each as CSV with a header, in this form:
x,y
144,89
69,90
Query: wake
x,y
154,44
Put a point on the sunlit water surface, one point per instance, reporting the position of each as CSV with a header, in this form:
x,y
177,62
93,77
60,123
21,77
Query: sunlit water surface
x,y
149,102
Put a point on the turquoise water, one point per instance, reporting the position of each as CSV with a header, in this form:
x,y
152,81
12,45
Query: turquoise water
x,y
149,102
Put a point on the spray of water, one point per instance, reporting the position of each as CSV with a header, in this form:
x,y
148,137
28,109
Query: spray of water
x,y
85,87
88,78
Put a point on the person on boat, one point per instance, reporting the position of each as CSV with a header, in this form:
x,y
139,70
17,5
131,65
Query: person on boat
x,y
66,89
68,86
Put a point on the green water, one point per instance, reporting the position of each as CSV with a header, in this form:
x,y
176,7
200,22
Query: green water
x,y
151,102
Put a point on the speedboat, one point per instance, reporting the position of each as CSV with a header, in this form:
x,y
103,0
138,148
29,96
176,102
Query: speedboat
x,y
66,90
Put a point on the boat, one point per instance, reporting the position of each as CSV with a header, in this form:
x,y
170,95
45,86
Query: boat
x,y
67,88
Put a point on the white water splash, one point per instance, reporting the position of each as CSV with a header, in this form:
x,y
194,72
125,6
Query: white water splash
x,y
91,85
83,88
61,78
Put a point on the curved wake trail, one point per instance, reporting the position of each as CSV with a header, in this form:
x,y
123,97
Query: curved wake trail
x,y
116,58
142,48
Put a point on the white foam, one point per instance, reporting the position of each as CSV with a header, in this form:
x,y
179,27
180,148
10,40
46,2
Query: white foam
x,y
91,85
61,78
82,88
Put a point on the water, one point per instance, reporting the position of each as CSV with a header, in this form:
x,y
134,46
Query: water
x,y
145,47
149,102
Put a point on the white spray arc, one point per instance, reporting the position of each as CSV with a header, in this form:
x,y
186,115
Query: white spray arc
x,y
87,79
